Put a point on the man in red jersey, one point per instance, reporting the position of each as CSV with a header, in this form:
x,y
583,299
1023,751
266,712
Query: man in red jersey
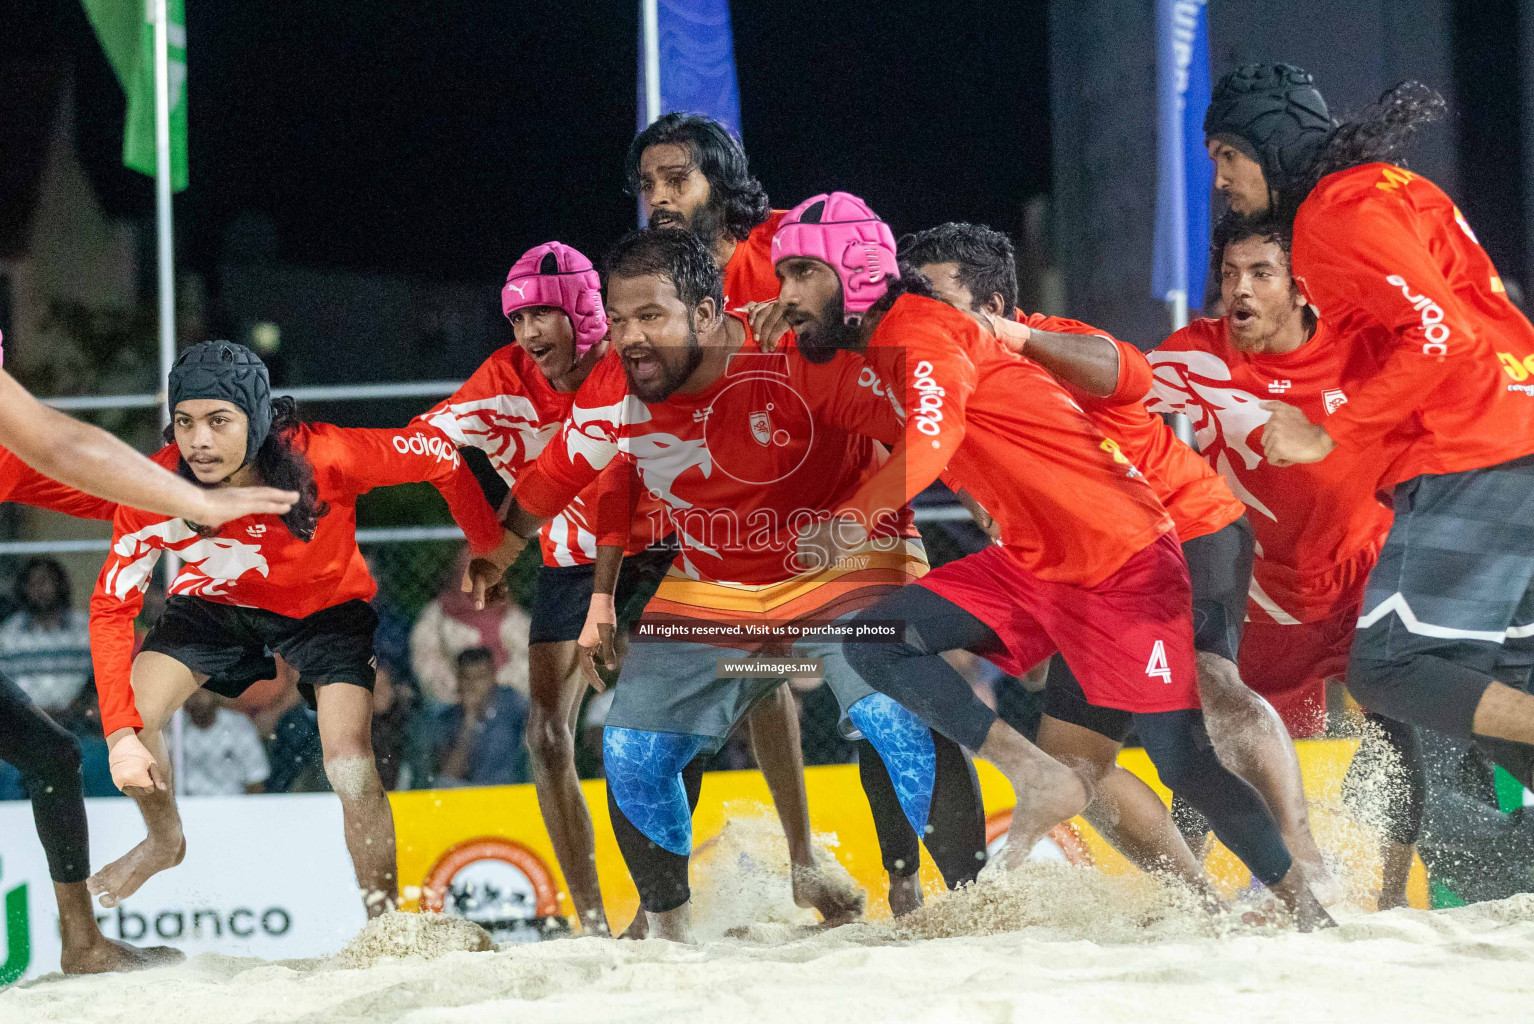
x,y
741,447
973,267
1319,526
295,586
1088,562
39,440
501,419
691,174
1386,259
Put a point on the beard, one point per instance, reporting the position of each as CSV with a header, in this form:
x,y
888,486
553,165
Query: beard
x,y
671,377
819,339
706,222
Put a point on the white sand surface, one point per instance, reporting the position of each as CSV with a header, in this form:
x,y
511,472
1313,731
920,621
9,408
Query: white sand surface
x,y
1051,943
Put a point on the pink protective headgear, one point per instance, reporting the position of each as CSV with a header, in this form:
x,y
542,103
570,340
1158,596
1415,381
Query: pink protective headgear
x,y
553,274
840,229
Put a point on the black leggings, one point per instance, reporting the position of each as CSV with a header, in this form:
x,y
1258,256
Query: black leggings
x,y
955,837
913,673
956,823
48,758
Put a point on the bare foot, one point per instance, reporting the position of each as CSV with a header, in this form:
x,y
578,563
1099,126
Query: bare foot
x,y
1043,801
106,955
1304,908
123,877
839,900
905,893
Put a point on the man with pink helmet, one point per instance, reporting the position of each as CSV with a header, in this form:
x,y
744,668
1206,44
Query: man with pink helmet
x,y
1087,563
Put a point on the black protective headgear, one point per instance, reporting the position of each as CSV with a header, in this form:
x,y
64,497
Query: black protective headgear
x,y
232,373
1277,112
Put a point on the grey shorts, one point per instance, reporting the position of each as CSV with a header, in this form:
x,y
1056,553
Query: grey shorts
x,y
675,686
1455,578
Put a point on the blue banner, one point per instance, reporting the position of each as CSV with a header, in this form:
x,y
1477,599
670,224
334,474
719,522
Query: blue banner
x,y
1184,172
689,61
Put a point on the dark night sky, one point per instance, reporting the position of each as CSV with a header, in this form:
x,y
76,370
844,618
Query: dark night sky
x,y
442,139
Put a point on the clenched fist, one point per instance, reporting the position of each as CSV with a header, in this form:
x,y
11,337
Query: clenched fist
x,y
1289,439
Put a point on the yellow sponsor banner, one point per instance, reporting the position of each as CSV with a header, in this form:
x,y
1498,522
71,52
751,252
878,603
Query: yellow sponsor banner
x,y
445,835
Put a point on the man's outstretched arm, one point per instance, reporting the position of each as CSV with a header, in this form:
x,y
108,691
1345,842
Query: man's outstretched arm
x,y
1085,358
88,458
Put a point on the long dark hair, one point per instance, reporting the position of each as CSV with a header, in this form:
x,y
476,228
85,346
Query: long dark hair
x,y
719,155
1382,133
278,463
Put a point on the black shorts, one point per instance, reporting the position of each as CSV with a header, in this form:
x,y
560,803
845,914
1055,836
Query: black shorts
x,y
562,594
1220,566
234,646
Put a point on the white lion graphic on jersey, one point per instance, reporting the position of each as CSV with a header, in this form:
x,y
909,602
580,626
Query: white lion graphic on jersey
x,y
1224,418
504,427
211,563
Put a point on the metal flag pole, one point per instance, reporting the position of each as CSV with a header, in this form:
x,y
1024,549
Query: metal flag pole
x,y
162,181
649,14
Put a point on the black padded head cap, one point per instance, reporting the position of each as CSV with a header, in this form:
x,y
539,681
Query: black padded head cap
x,y
233,373
1275,112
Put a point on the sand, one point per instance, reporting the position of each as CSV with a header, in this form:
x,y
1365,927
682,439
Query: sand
x,y
1048,943
1086,946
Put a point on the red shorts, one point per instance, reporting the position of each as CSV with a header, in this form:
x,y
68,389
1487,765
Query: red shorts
x,y
1289,665
1129,639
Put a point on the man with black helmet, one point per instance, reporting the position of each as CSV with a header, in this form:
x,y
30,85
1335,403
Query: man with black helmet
x,y
294,586
1383,250
41,448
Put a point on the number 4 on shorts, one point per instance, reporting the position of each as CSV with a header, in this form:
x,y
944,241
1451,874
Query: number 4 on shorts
x,y
1157,667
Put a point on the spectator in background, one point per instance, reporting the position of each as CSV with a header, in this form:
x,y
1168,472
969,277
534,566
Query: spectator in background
x,y
292,735
450,625
479,740
221,750
395,740
46,646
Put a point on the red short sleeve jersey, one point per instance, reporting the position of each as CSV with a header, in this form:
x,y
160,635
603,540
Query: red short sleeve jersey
x,y
1196,497
749,276
1071,506
1319,527
1389,262
739,467
508,410
255,562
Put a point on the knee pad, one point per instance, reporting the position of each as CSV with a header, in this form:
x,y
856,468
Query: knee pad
x,y
905,746
644,775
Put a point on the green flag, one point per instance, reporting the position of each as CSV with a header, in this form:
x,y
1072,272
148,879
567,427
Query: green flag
x,y
126,34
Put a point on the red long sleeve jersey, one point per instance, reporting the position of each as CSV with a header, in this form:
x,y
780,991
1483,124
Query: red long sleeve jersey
x,y
1071,506
26,486
255,562
508,410
738,467
1379,247
1196,497
1319,527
